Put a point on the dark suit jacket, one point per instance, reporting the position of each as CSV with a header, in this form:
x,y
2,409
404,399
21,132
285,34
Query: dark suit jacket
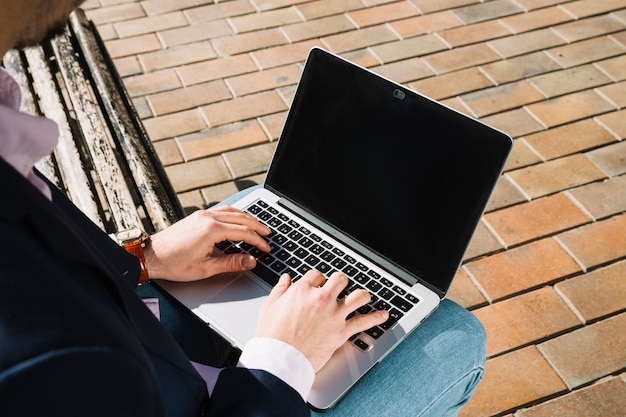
x,y
75,340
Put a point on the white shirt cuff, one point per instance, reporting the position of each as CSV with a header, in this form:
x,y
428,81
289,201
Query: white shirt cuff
x,y
281,360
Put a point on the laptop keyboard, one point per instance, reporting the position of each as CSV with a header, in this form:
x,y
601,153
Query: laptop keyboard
x,y
296,250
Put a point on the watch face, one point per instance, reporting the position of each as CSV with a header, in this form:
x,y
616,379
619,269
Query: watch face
x,y
129,235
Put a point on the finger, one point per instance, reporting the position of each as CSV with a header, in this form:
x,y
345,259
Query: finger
x,y
283,284
314,277
362,322
237,217
336,283
356,299
231,263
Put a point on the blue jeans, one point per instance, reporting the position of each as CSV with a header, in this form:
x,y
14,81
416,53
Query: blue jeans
x,y
433,372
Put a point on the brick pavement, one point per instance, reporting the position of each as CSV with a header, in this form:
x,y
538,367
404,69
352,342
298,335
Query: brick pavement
x,y
546,270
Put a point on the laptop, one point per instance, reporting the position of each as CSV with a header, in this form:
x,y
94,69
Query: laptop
x,y
369,178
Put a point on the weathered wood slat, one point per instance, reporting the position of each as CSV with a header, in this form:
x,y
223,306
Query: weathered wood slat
x,y
71,166
96,137
157,194
104,161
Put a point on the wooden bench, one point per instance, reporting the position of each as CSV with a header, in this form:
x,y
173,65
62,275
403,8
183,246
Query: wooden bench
x,y
104,161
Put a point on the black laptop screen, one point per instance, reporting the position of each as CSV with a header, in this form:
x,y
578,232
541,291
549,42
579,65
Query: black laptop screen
x,y
403,175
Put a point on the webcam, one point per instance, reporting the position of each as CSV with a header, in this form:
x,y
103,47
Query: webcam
x,y
399,94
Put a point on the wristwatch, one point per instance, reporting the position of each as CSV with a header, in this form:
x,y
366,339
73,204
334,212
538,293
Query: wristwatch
x,y
134,240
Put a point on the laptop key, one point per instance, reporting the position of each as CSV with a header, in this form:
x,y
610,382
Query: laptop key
x,y
375,332
266,274
402,303
394,316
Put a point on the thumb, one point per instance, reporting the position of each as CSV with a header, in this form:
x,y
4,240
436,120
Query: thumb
x,y
283,284
233,263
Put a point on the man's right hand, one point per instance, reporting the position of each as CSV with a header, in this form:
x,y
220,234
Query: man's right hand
x,y
308,316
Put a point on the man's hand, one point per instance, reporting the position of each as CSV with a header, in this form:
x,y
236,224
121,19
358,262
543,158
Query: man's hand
x,y
308,316
185,250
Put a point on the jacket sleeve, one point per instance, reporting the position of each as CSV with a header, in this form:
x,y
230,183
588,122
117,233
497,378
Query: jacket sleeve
x,y
254,393
79,381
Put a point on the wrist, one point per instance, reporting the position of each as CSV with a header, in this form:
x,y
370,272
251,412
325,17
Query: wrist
x,y
135,241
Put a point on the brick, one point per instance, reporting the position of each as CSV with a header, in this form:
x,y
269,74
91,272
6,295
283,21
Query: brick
x,y
537,4
275,4
195,33
452,84
363,57
191,201
478,32
221,139
607,398
462,57
569,139
142,108
153,7
322,8
536,219
596,294
247,107
598,243
383,14
569,108
501,98
174,124
464,292
515,122
250,160
614,67
537,19
520,67
556,175
430,23
570,80
487,11
589,28
505,194
521,155
615,94
585,52
247,42
284,55
317,28
273,124
264,80
527,42
429,6
611,159
512,381
124,47
349,41
602,199
189,97
404,71
116,13
214,194
197,174
168,152
483,242
519,269
219,10
128,66
615,123
603,341
143,84
270,19
177,56
409,48
150,24
586,8
215,69
525,319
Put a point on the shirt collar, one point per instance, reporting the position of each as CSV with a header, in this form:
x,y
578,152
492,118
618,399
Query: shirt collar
x,y
24,139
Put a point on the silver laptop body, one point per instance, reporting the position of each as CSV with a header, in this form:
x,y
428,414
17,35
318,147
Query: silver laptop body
x,y
374,180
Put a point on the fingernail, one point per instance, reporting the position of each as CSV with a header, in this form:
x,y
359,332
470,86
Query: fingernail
x,y
245,262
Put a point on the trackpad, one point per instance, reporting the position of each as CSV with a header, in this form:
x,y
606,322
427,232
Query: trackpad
x,y
234,310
